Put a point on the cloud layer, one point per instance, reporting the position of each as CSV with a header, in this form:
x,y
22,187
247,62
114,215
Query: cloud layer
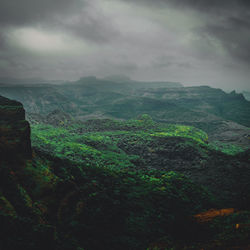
x,y
191,41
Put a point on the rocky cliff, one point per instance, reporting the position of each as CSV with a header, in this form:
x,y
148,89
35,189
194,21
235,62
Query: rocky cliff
x,y
15,142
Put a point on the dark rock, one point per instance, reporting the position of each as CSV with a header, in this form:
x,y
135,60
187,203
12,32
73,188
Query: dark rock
x,y
15,142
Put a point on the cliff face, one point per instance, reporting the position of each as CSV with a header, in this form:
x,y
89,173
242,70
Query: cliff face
x,y
15,142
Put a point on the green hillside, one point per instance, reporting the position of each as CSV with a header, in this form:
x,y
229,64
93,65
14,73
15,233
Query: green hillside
x,y
113,184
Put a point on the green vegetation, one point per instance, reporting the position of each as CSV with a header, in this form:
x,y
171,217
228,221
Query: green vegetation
x,y
111,145
226,148
121,144
126,209
92,97
114,201
184,131
111,184
92,149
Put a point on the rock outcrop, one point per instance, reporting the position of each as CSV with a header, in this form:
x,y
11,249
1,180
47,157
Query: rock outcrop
x,y
15,142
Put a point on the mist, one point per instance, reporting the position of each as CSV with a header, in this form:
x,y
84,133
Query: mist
x,y
192,42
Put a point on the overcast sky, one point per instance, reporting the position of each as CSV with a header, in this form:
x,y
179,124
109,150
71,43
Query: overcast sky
x,y
195,42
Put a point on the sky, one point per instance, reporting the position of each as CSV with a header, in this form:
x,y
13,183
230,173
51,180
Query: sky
x,y
195,42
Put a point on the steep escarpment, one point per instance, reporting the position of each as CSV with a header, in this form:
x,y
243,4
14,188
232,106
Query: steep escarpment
x,y
19,217
15,142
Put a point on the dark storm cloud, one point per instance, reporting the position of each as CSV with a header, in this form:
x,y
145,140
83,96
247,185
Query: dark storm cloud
x,y
75,17
91,24
16,12
215,5
179,40
227,21
234,35
2,40
196,4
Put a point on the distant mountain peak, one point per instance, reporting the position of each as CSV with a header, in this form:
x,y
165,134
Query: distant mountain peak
x,y
85,78
118,78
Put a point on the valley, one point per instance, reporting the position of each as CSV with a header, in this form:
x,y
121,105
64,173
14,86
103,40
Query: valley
x,y
225,117
123,165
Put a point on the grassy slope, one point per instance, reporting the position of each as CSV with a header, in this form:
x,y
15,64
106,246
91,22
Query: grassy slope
x,y
111,148
101,139
145,145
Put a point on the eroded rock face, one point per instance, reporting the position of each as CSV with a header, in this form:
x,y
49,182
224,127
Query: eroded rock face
x,y
15,142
